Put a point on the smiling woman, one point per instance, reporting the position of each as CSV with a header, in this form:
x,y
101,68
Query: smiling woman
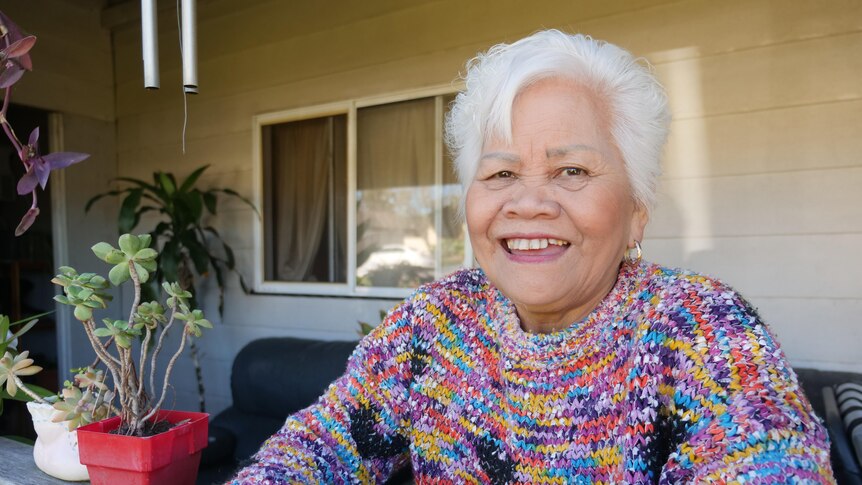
x,y
563,358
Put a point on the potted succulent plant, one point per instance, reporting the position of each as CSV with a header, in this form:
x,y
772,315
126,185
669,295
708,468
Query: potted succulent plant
x,y
143,443
55,417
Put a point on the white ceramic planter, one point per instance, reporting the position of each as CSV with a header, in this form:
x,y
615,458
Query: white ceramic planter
x,y
56,448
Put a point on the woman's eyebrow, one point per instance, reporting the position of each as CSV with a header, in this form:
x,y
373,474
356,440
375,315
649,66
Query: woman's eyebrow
x,y
502,156
565,150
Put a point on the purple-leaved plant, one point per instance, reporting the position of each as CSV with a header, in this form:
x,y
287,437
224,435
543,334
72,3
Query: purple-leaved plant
x,y
14,61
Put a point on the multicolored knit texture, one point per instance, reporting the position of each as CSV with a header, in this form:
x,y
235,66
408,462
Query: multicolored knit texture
x,y
672,379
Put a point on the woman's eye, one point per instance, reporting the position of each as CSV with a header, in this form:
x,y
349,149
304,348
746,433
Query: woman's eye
x,y
505,174
573,171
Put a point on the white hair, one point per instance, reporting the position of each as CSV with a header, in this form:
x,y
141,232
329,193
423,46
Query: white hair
x,y
638,106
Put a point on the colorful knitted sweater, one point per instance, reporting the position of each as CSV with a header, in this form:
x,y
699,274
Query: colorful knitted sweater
x,y
673,378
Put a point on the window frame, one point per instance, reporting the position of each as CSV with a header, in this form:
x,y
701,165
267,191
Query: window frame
x,y
349,108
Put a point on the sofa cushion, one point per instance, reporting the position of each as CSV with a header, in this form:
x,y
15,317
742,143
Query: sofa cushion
x,y
250,430
275,377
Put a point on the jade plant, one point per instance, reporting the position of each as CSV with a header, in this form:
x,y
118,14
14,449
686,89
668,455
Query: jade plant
x,y
127,364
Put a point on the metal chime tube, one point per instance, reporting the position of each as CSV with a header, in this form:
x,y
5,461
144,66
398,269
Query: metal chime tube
x,y
190,47
150,41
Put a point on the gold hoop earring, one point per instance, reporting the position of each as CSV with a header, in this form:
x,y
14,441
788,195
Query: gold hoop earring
x,y
634,258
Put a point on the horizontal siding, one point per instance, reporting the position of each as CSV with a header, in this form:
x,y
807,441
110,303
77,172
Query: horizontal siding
x,y
72,63
762,169
771,266
800,202
818,333
812,137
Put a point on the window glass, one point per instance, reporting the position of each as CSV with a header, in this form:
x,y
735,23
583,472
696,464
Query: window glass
x,y
305,177
395,194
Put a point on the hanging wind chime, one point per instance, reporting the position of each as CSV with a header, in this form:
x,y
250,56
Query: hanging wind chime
x,y
188,44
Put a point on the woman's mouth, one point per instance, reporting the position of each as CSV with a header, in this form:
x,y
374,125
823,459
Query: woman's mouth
x,y
533,244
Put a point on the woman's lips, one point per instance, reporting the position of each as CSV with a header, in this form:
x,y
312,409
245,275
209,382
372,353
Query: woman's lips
x,y
534,249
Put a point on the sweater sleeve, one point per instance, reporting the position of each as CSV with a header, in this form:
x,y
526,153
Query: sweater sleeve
x,y
355,433
737,410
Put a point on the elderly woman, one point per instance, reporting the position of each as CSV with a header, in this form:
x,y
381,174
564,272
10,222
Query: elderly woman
x,y
563,358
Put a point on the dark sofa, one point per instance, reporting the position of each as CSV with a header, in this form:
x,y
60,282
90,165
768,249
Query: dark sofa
x,y
271,378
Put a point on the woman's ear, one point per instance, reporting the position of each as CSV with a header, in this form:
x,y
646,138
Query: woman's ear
x,y
640,217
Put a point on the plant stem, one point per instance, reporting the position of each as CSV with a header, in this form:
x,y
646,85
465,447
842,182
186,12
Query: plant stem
x,y
159,346
27,390
168,370
143,362
137,285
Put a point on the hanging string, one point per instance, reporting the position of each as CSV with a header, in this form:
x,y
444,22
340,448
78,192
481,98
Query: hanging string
x,y
185,94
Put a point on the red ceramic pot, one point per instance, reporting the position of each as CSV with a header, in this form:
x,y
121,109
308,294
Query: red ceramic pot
x,y
169,458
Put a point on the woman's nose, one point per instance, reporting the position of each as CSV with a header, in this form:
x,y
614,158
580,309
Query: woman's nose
x,y
531,199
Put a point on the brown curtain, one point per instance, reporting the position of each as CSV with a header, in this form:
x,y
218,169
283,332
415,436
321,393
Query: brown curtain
x,y
302,157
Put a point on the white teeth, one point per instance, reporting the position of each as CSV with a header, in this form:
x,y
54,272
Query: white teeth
x,y
528,244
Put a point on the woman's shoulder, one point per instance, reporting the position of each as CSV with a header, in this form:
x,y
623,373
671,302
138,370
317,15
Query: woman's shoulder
x,y
697,296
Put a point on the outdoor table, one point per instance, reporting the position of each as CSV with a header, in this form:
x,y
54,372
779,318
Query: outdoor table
x,y
18,467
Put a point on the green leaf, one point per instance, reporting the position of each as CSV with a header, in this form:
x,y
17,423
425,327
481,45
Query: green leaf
x,y
199,254
145,254
126,221
231,260
101,250
210,201
140,183
145,240
60,299
167,183
94,199
83,313
115,257
143,274
169,260
4,326
189,182
196,205
130,244
102,332
236,194
123,340
149,265
119,274
21,331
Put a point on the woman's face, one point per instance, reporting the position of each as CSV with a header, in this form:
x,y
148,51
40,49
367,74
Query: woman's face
x,y
551,214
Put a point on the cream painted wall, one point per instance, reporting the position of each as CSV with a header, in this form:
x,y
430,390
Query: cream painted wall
x,y
762,169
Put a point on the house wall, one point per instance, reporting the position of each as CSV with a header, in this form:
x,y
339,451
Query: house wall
x,y
760,176
73,79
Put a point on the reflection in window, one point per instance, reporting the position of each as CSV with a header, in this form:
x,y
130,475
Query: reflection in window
x,y
406,198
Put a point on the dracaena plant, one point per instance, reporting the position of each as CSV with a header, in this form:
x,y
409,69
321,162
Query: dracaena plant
x,y
15,60
190,247
139,400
